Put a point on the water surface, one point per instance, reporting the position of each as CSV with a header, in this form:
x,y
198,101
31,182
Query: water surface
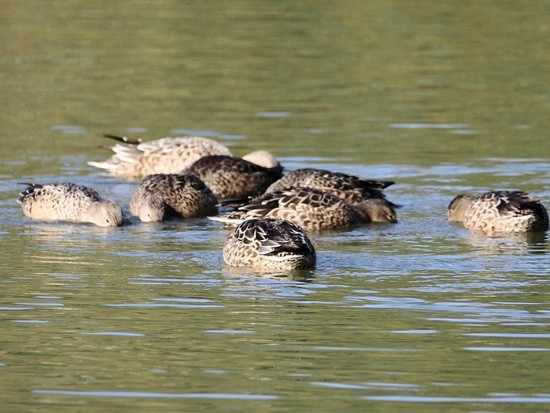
x,y
417,316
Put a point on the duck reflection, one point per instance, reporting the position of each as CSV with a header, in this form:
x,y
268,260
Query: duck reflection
x,y
509,243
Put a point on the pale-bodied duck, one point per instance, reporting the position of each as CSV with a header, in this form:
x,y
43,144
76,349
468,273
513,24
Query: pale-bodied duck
x,y
69,202
134,159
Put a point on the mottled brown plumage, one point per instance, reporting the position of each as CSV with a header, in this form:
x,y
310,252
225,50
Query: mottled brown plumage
x,y
69,202
269,245
311,209
162,196
499,211
231,177
349,188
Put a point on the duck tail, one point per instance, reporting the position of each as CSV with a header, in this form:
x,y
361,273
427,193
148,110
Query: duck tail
x,y
227,219
233,203
30,187
123,139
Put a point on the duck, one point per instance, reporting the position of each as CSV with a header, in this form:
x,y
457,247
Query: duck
x,y
499,211
310,208
67,201
232,177
349,188
266,244
163,196
136,159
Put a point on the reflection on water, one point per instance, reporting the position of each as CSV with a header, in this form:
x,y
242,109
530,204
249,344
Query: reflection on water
x,y
243,273
421,315
513,243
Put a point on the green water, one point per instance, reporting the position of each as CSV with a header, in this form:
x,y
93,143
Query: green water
x,y
441,97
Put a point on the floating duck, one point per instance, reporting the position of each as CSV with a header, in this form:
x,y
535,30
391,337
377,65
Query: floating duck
x,y
231,177
134,159
69,202
311,209
499,211
267,244
349,188
162,196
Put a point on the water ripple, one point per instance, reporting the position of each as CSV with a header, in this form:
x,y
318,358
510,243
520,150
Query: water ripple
x,y
428,125
434,399
505,349
367,386
509,335
154,305
151,395
229,331
30,321
369,349
113,333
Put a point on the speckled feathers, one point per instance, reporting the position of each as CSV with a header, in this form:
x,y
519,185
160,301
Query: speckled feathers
x,y
499,211
269,244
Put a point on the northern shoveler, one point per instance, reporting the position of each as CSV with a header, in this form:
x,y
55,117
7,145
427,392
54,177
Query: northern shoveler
x,y
311,209
134,159
267,244
499,211
161,196
69,202
231,177
349,188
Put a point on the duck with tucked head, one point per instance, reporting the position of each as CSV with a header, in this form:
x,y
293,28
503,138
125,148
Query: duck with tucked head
x,y
311,209
349,188
163,196
499,211
69,202
231,177
267,244
135,159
